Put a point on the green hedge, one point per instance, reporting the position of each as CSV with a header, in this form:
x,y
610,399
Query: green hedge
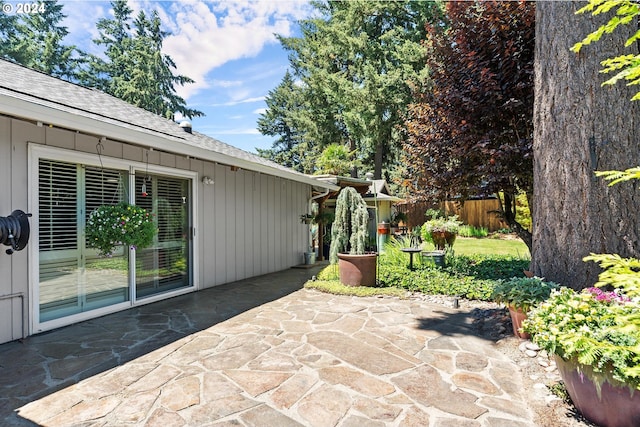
x,y
468,276
434,281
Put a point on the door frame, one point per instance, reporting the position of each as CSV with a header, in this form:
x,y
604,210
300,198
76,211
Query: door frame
x,y
37,151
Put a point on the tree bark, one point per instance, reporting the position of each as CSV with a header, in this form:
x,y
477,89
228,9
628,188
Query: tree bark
x,y
581,127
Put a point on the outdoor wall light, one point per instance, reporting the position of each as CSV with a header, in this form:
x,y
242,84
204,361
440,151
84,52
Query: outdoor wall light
x,y
207,180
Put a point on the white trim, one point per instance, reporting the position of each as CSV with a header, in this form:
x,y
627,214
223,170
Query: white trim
x,y
130,133
38,151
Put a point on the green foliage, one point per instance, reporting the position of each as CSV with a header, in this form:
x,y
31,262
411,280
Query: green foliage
x,y
598,329
620,176
336,288
399,217
282,119
109,226
35,40
433,231
626,67
523,212
559,390
325,217
449,224
355,64
393,250
134,68
490,267
434,281
349,230
523,292
336,159
472,277
330,272
471,231
620,273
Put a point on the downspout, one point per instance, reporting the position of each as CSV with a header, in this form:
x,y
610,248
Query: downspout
x,y
320,229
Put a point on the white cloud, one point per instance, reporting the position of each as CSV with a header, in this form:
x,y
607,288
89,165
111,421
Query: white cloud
x,y
240,101
226,83
207,35
80,28
259,111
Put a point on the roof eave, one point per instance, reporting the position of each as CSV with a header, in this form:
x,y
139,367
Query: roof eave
x,y
34,111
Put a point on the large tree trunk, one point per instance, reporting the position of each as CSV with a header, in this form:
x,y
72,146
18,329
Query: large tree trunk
x,y
581,127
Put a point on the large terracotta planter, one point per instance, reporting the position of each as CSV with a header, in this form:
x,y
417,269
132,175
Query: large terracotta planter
x,y
615,406
441,239
517,317
357,270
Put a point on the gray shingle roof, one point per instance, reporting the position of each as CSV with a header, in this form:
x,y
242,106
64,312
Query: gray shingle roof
x,y
35,87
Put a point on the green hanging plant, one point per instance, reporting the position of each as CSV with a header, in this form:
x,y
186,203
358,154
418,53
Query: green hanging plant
x,y
109,226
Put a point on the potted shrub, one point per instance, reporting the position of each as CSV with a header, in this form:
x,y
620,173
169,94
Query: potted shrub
x,y
349,239
441,231
595,337
109,226
519,294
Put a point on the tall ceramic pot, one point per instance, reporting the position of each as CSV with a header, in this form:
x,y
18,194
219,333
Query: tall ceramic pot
x,y
614,405
357,270
517,317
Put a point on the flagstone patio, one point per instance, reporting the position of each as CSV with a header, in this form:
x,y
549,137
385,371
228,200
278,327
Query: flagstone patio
x,y
265,352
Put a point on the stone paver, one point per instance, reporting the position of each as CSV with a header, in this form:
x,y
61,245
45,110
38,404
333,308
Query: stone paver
x,y
264,352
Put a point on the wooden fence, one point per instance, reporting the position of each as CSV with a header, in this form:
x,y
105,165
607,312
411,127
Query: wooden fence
x,y
473,212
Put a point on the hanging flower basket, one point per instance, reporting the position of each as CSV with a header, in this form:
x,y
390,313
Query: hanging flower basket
x,y
123,224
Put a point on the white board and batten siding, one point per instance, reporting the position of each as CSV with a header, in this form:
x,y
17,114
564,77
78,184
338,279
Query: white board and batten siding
x,y
14,269
247,223
251,224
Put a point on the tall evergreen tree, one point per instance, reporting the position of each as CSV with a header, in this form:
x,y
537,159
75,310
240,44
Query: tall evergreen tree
x,y
36,42
281,119
116,40
134,68
356,63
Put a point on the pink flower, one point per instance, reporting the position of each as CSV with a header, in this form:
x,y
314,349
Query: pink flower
x,y
606,296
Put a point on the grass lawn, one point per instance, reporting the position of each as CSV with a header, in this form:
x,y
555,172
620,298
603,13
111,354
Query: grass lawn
x,y
485,246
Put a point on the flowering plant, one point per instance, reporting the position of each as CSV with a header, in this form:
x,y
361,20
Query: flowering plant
x,y
595,327
109,226
449,224
441,231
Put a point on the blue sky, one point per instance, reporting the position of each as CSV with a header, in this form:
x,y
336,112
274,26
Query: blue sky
x,y
227,47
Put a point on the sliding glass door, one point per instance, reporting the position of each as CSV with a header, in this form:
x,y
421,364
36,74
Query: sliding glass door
x,y
164,266
73,279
